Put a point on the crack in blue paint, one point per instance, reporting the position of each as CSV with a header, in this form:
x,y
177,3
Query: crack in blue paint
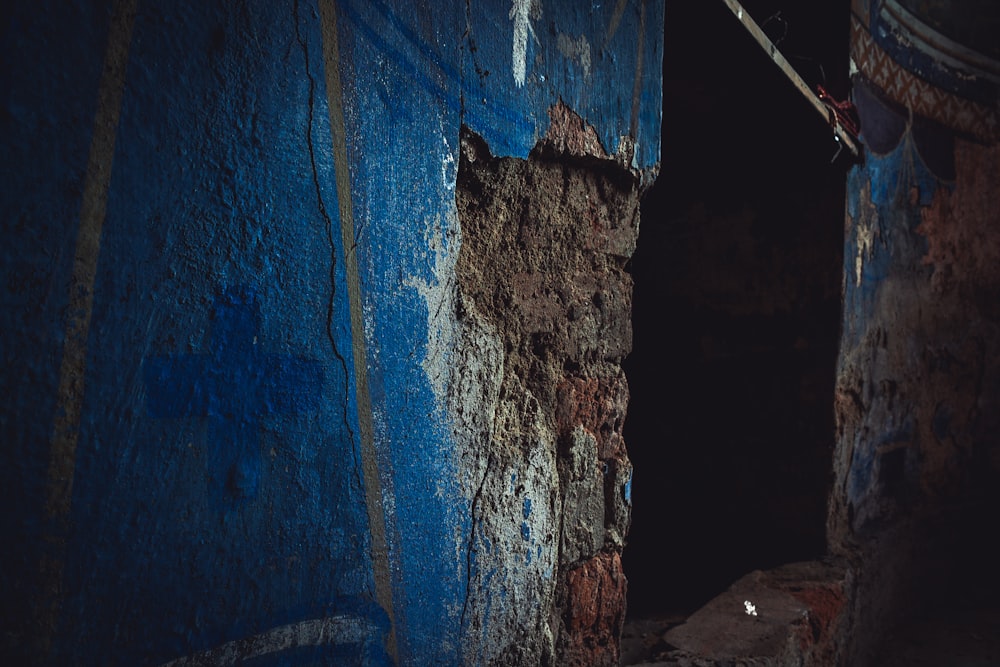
x,y
234,386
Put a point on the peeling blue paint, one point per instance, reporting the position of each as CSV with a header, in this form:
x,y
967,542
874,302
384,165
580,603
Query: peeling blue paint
x,y
885,234
395,52
886,195
479,83
218,485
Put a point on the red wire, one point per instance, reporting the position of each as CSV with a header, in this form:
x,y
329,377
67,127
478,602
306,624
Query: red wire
x,y
844,112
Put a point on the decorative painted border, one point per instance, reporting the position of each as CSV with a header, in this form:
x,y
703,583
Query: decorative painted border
x,y
917,95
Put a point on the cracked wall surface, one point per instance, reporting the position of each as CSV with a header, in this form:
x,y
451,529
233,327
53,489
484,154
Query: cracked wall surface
x,y
545,302
917,461
250,415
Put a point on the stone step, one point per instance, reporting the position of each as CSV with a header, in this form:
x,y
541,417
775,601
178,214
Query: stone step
x,y
786,616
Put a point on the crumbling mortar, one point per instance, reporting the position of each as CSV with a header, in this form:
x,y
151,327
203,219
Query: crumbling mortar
x,y
545,244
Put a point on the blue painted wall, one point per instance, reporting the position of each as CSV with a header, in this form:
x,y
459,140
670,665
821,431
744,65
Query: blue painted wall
x,y
223,432
916,461
928,126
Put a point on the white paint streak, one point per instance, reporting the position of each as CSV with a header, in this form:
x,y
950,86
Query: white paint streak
x,y
449,167
520,14
439,296
868,231
314,632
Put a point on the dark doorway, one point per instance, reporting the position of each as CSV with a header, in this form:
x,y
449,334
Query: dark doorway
x,y
737,306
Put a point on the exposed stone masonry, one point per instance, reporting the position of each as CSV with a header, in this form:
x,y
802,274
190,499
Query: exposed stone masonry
x,y
541,273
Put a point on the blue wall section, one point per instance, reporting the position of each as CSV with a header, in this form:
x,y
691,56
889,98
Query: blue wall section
x,y
604,60
414,74
221,501
41,171
214,270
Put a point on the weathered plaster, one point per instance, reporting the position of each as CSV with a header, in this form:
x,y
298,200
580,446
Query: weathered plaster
x,y
280,196
917,383
541,268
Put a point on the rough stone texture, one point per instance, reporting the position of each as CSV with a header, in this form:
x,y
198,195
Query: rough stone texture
x,y
598,405
582,499
544,305
233,364
918,384
593,608
799,616
917,460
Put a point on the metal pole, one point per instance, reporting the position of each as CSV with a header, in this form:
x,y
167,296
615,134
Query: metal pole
x,y
840,134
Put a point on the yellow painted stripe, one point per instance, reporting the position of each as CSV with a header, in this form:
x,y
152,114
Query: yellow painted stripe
x,y
70,393
369,461
616,18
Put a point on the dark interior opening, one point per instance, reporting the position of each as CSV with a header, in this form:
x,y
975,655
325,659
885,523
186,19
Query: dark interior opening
x,y
736,306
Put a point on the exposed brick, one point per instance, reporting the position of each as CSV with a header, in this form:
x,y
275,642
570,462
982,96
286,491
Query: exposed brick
x,y
594,612
545,310
599,406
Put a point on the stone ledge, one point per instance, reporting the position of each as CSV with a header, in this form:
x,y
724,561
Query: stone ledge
x,y
799,609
